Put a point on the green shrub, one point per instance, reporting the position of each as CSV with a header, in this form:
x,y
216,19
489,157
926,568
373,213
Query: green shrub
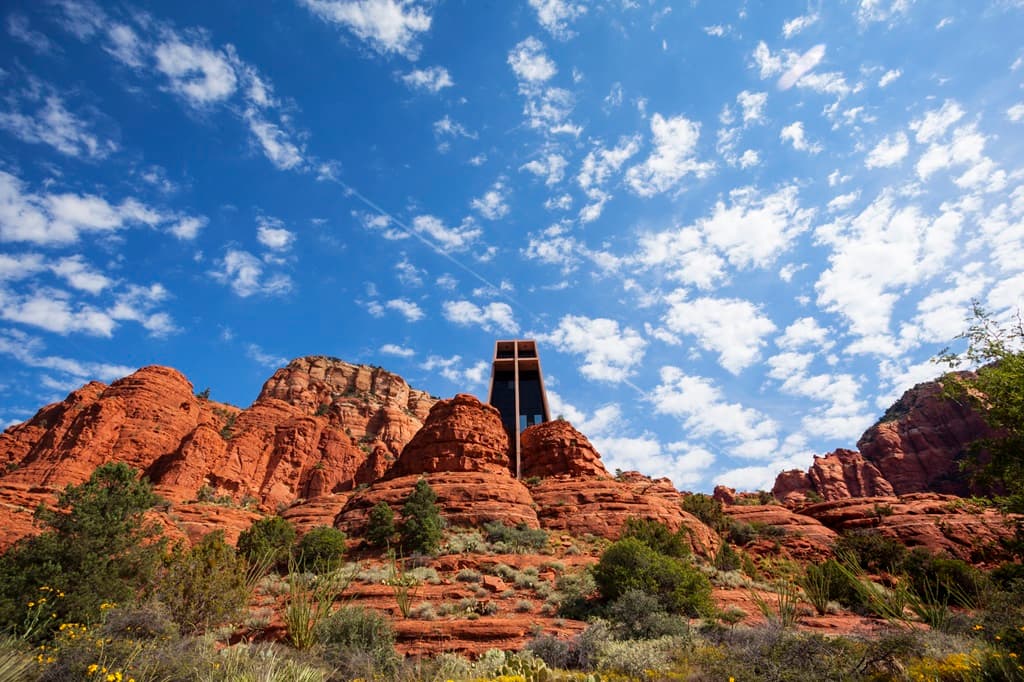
x,y
873,552
727,558
97,548
827,582
640,615
204,585
421,520
321,549
268,539
631,565
359,642
520,539
380,526
658,536
940,579
707,509
469,575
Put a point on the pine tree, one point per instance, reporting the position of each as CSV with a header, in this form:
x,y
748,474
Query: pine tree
x,y
421,525
380,526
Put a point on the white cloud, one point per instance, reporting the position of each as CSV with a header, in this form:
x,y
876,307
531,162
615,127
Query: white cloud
x,y
261,357
889,77
936,122
19,29
273,236
244,273
38,115
966,147
801,66
778,217
871,11
752,104
804,332
529,62
201,75
556,15
387,25
749,158
449,238
396,350
1016,113
598,167
188,227
610,353
733,328
843,201
137,304
798,24
551,167
408,309
274,141
707,414
408,274
452,370
26,349
20,266
494,315
54,311
673,157
77,273
794,134
124,45
433,79
890,151
54,219
493,205
876,255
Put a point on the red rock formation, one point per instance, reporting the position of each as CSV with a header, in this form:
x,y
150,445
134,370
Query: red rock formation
x,y
916,447
461,434
319,426
725,494
601,506
555,447
462,451
465,498
806,538
940,523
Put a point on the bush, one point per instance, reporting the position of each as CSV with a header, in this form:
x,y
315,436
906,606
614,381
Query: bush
x,y
872,551
380,526
421,520
639,615
707,509
939,579
359,642
205,585
631,565
522,538
320,550
556,653
97,548
727,559
269,540
658,536
469,575
828,582
778,654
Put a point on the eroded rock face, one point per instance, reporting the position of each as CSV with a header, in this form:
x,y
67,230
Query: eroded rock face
x,y
556,448
916,447
805,537
465,498
461,434
939,523
320,426
601,506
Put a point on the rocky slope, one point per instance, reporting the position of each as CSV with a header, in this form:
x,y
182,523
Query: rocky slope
x,y
319,426
916,447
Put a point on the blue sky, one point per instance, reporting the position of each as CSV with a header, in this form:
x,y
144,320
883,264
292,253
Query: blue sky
x,y
738,230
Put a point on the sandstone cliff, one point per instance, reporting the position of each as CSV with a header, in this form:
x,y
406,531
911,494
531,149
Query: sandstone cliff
x,y
916,447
